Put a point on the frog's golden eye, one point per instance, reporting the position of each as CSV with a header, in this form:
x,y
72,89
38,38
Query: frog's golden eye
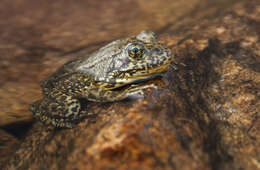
x,y
135,52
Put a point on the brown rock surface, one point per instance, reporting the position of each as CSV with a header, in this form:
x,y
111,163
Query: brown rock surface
x,y
8,144
205,116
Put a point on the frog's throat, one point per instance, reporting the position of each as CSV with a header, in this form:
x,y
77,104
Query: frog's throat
x,y
120,82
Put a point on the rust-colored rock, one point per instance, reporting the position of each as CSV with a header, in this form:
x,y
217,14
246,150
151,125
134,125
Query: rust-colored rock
x,y
205,116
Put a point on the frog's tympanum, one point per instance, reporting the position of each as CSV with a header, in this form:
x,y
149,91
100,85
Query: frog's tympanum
x,y
111,73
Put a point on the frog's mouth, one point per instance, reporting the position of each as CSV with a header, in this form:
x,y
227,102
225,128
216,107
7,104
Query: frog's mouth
x,y
136,79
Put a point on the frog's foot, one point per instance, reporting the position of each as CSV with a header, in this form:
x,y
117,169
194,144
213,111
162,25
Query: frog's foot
x,y
62,111
68,122
57,122
42,113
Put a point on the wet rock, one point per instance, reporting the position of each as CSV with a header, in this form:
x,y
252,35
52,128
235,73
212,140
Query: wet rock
x,y
204,116
8,145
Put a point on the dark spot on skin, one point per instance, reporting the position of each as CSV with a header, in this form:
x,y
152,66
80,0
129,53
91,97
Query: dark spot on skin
x,y
74,109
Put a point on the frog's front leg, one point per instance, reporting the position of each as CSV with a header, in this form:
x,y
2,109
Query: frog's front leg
x,y
60,110
133,91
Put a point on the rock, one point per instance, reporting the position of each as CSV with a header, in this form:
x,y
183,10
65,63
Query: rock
x,y
205,116
8,145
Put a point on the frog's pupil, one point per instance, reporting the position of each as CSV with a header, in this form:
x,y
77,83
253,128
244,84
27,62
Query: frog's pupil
x,y
135,50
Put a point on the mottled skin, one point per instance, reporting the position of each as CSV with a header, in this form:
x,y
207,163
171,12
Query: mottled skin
x,y
99,77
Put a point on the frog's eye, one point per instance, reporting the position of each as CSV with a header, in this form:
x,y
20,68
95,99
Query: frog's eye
x,y
135,52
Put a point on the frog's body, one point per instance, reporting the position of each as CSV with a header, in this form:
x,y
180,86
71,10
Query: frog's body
x,y
99,76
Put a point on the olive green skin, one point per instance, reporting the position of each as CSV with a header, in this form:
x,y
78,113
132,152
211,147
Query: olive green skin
x,y
99,76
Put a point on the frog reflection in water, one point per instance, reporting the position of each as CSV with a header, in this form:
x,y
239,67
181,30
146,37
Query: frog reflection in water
x,y
100,77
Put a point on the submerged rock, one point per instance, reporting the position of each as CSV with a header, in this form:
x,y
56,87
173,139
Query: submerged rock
x,y
204,116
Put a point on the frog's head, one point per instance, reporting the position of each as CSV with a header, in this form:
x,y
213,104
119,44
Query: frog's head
x,y
141,58
129,60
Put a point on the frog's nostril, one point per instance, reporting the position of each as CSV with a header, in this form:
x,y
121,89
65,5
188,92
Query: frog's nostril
x,y
157,51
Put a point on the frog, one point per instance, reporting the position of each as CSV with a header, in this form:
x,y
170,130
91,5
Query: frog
x,y
111,73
